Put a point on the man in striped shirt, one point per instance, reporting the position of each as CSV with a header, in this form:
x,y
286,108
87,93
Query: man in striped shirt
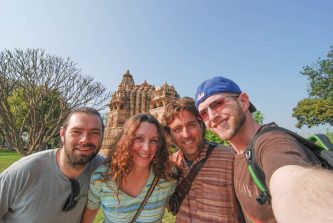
x,y
211,197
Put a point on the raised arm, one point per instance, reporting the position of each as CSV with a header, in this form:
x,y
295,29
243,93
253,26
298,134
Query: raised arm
x,y
302,194
89,215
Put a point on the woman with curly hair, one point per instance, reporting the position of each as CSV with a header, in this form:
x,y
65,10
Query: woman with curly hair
x,y
120,185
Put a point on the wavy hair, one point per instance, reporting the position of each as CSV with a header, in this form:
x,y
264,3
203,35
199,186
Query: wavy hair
x,y
120,161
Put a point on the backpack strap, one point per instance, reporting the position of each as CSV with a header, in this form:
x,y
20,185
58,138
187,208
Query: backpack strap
x,y
255,171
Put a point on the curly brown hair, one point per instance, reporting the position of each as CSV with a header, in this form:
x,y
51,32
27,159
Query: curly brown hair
x,y
120,161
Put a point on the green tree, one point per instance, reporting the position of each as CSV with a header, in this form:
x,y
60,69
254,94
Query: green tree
x,y
317,109
259,117
37,90
19,107
211,136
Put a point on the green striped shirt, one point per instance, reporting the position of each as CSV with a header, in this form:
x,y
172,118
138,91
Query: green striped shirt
x,y
104,194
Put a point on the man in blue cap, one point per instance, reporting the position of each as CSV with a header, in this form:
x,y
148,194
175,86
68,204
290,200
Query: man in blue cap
x,y
298,190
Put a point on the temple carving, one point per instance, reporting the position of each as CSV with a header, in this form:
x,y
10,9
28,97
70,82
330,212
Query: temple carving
x,y
131,99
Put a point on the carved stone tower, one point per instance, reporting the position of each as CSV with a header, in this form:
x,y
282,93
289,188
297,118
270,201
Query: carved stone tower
x,y
131,99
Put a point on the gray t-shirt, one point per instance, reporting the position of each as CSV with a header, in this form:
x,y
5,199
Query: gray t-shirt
x,y
34,190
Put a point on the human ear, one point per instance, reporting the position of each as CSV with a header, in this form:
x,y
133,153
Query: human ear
x,y
245,101
62,133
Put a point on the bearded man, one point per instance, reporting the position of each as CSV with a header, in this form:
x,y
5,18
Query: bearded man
x,y
52,186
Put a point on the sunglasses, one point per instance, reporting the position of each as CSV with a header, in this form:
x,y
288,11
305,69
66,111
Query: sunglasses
x,y
74,197
215,105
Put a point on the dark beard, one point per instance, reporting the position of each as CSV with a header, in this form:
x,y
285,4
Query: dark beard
x,y
76,161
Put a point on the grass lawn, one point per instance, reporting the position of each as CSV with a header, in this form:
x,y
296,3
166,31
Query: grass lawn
x,y
168,218
9,157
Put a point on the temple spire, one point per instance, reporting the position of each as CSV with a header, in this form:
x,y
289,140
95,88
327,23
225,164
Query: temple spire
x,y
127,81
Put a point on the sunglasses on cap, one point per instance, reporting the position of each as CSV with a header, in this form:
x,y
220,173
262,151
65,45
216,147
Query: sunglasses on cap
x,y
214,105
74,197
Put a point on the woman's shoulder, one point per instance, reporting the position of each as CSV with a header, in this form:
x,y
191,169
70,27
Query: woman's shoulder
x,y
100,172
103,167
166,184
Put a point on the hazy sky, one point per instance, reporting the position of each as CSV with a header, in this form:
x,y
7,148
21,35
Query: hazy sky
x,y
261,45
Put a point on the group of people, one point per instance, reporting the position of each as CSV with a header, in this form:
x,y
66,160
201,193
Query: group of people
x,y
140,178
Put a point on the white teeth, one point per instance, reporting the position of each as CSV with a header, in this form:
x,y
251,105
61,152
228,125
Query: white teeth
x,y
188,142
144,155
84,148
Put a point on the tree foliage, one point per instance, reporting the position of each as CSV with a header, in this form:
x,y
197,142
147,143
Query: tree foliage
x,y
37,90
259,117
317,109
211,136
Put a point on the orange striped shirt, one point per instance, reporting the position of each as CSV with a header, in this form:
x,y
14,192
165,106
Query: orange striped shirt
x,y
212,197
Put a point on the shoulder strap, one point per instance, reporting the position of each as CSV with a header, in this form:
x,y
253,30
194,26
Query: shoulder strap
x,y
255,171
185,185
149,192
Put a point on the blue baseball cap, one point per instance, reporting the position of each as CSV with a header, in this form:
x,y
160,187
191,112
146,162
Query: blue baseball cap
x,y
217,85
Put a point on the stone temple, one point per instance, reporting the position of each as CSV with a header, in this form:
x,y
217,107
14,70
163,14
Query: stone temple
x,y
131,99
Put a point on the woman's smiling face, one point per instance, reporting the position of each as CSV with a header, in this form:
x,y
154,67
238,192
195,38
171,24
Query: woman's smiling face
x,y
145,145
